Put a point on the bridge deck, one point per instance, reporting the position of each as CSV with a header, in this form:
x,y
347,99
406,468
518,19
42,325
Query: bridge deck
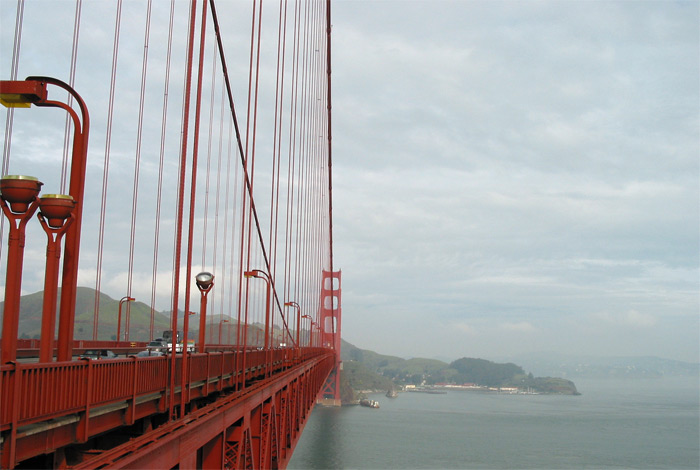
x,y
231,158
72,412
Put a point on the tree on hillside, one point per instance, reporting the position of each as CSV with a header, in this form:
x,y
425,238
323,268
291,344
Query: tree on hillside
x,y
356,355
483,372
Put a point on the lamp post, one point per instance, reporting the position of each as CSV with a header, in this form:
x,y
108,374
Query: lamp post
x,y
55,215
33,90
263,275
221,322
126,298
295,305
308,343
205,281
311,335
298,325
127,322
19,202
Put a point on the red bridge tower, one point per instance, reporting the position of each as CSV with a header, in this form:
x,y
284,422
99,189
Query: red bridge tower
x,y
330,335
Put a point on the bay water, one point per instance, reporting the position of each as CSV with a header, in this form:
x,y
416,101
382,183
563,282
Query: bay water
x,y
614,424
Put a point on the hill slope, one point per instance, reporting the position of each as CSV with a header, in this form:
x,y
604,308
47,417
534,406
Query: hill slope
x,y
363,369
367,369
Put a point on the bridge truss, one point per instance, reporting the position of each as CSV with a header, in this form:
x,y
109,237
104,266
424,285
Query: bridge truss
x,y
195,137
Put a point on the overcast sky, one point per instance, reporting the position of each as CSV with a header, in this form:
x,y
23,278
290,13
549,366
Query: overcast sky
x,y
517,176
508,176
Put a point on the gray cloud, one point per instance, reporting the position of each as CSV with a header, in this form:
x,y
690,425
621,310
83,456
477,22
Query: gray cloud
x,y
507,172
508,176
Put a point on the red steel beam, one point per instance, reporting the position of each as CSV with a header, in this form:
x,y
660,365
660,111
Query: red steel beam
x,y
45,407
242,430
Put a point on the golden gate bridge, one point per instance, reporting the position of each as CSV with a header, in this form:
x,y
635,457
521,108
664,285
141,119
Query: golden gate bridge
x,y
176,155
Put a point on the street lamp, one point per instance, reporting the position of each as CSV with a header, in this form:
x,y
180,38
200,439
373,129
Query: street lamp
x,y
311,333
221,322
310,326
263,275
296,305
205,281
33,90
55,215
126,298
19,202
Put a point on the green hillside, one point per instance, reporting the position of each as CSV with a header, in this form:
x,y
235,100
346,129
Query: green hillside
x,y
362,369
140,316
393,367
361,377
140,319
479,371
367,369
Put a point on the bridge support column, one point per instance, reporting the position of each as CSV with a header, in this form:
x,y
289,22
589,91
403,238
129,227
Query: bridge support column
x,y
211,455
330,316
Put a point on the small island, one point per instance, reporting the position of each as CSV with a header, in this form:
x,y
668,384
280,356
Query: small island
x,y
366,372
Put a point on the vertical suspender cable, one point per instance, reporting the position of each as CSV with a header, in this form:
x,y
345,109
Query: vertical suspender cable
x,y
193,190
253,110
19,19
277,131
11,111
291,179
205,217
71,82
208,172
231,263
137,159
105,173
276,153
216,210
315,266
303,165
298,125
222,282
159,189
181,196
212,300
250,162
247,192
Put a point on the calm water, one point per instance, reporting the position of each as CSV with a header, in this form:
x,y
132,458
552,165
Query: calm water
x,y
614,424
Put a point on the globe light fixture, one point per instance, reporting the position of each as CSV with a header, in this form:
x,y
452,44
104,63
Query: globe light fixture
x,y
19,201
204,281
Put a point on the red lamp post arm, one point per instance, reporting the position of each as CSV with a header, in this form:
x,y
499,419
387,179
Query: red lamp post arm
x,y
77,190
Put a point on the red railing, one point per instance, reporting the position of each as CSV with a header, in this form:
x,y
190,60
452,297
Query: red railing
x,y
32,393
